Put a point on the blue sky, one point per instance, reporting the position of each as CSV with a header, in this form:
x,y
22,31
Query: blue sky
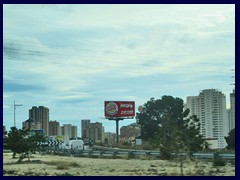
x,y
72,58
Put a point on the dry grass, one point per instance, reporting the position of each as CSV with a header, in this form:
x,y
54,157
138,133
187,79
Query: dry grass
x,y
63,165
50,165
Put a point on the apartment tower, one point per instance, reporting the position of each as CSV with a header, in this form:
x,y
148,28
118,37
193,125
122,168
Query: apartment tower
x,y
85,128
74,132
40,116
54,128
210,108
232,110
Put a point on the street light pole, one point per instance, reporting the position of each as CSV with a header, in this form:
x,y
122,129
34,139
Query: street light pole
x,y
15,105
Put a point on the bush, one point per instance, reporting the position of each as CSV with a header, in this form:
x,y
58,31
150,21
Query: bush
x,y
62,166
147,146
219,162
66,174
166,154
131,155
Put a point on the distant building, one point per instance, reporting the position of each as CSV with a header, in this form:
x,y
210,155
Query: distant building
x,y
212,143
40,116
210,108
92,132
96,132
85,128
129,132
229,117
54,128
232,108
74,132
61,131
67,131
28,124
109,138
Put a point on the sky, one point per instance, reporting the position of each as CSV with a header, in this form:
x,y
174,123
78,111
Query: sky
x,y
72,58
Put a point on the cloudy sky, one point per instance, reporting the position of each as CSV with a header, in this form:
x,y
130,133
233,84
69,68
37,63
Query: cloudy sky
x,y
72,58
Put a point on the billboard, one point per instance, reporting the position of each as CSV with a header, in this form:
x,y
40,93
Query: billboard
x,y
115,109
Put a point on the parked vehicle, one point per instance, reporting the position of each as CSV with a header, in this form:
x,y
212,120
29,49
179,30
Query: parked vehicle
x,y
73,145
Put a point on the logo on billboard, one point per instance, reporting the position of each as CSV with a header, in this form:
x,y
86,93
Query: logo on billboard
x,y
112,108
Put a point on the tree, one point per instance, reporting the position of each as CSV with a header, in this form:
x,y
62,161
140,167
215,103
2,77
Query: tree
x,y
4,137
230,139
19,141
164,123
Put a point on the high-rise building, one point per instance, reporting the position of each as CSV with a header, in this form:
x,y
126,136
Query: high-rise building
x,y
67,131
210,108
74,132
109,138
229,118
193,105
92,132
232,108
96,132
28,124
85,128
40,116
54,128
61,131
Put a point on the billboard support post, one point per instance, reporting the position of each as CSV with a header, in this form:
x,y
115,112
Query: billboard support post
x,y
119,110
117,123
117,128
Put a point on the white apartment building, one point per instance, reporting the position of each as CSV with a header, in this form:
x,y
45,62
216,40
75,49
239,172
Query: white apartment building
x,y
232,110
210,108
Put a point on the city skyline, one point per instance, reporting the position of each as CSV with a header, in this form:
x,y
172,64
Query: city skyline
x,y
72,58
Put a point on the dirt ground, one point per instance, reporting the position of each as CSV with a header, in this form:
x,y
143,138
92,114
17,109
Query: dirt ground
x,y
53,165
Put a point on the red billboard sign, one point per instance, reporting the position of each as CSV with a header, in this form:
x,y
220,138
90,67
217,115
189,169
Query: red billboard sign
x,y
119,108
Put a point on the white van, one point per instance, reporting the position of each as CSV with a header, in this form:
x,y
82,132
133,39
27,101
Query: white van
x,y
74,145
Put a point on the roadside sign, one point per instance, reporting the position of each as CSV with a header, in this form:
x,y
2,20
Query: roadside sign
x,y
138,142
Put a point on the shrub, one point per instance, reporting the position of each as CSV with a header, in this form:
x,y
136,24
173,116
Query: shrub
x,y
62,166
12,172
111,170
147,146
219,162
66,174
130,155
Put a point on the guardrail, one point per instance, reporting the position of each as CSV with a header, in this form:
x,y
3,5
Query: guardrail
x,y
113,152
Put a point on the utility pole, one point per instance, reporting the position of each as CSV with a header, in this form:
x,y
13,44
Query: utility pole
x,y
15,105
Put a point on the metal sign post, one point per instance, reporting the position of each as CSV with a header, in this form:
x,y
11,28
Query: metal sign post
x,y
15,105
117,127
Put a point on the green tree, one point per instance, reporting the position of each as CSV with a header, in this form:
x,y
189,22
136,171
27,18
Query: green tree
x,y
230,139
20,142
4,137
4,131
164,123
